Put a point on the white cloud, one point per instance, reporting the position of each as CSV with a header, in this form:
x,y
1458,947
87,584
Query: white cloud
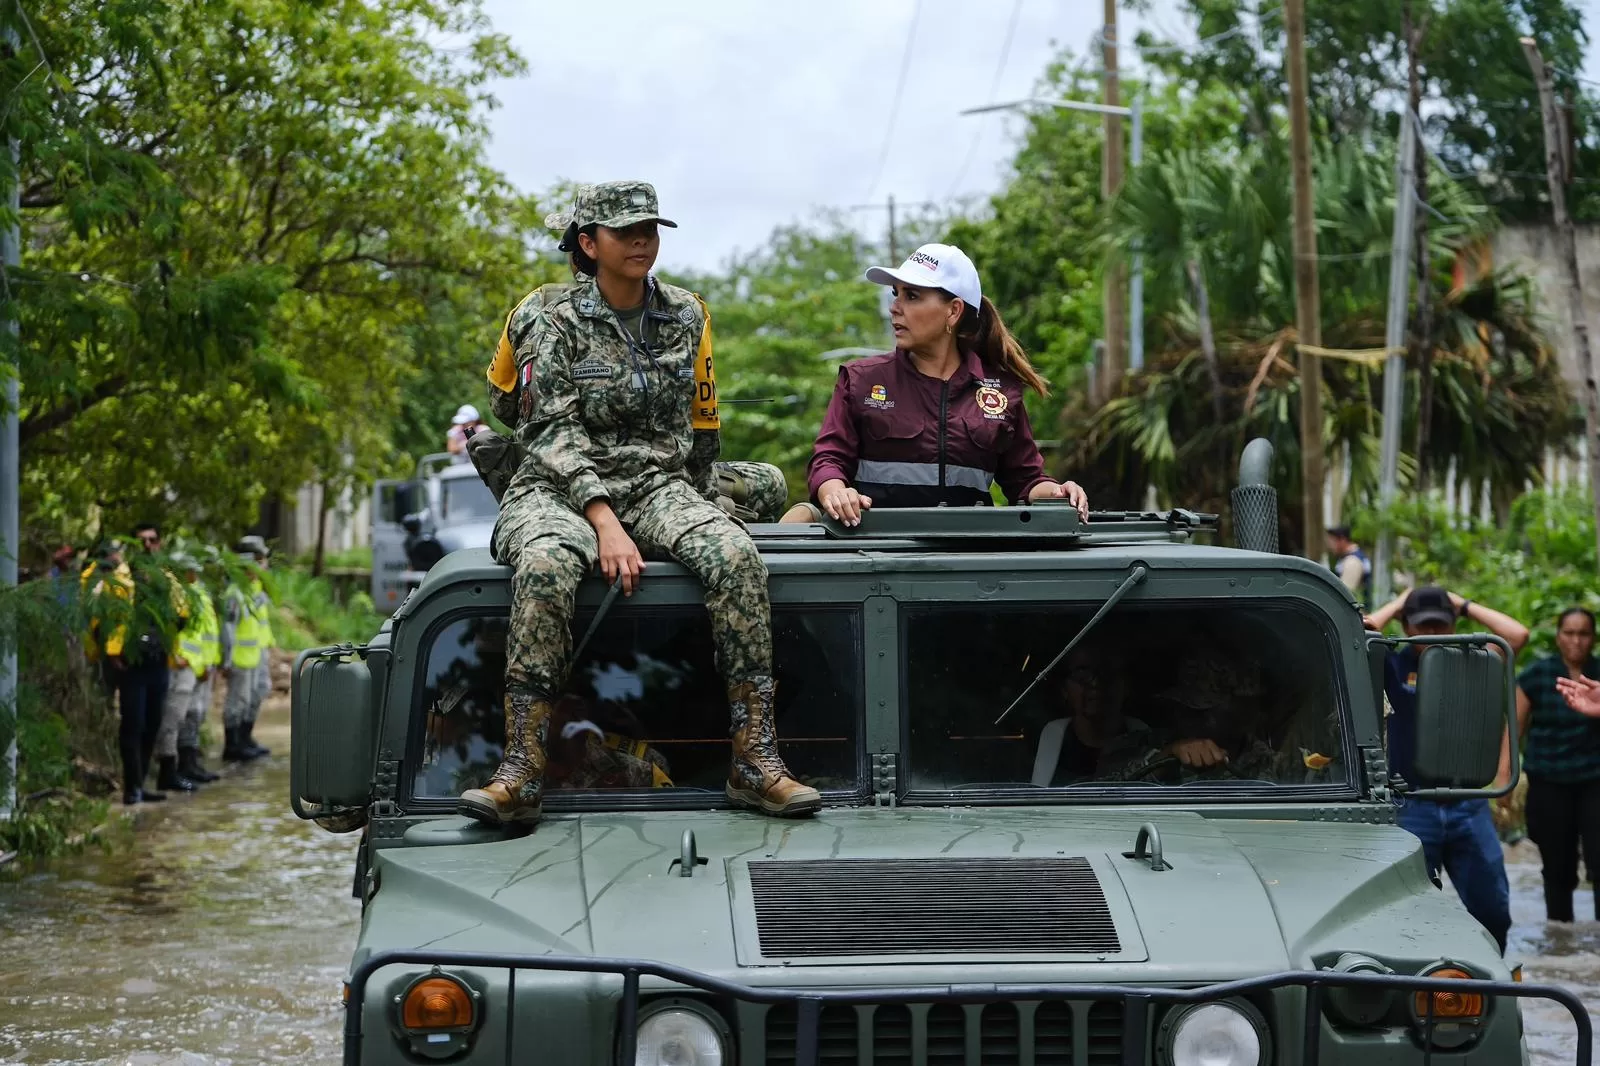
x,y
748,115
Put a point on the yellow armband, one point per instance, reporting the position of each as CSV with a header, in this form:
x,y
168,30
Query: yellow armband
x,y
705,378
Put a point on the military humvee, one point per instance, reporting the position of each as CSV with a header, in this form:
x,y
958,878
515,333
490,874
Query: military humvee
x,y
1012,866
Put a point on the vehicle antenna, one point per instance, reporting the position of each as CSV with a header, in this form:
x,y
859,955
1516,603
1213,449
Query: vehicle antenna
x,y
1135,575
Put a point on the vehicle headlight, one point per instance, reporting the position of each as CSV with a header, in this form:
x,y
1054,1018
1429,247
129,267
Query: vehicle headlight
x,y
680,1035
1228,1033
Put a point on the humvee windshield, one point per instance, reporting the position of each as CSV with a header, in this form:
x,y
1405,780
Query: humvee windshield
x,y
1167,695
645,707
1160,697
463,499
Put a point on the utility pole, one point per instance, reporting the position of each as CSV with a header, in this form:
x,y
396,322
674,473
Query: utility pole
x,y
1566,241
1307,300
1394,339
1415,30
11,256
1110,181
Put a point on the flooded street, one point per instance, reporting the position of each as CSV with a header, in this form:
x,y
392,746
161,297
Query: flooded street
x,y
219,938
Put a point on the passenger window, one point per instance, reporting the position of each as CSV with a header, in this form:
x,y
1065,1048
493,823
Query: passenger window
x,y
644,707
1151,696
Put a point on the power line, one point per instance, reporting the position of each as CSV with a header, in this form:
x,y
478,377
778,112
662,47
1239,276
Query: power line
x,y
899,90
994,87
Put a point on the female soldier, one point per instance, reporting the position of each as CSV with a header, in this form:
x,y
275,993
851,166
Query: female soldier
x,y
940,418
617,413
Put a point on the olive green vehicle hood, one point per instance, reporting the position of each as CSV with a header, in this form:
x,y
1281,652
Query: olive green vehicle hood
x,y
1242,897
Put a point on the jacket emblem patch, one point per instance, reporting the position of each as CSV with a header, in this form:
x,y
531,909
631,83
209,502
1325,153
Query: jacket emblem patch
x,y
686,315
878,397
591,370
992,402
686,373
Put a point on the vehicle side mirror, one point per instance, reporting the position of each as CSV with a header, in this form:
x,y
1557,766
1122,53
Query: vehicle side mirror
x,y
333,723
1465,705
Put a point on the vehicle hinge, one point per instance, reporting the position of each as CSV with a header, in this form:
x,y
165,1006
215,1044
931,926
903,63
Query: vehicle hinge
x,y
386,777
1377,767
383,808
885,779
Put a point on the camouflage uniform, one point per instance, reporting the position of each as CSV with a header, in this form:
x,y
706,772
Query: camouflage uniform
x,y
631,421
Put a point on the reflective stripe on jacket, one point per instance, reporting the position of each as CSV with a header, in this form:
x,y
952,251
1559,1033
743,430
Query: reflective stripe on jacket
x,y
909,440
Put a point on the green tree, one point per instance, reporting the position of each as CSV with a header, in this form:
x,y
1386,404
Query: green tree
x,y
1481,108
243,222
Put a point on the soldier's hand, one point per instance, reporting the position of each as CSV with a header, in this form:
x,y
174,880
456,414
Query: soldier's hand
x,y
1198,753
620,556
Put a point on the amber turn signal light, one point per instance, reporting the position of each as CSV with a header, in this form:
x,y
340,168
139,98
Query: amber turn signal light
x,y
436,1003
1449,1006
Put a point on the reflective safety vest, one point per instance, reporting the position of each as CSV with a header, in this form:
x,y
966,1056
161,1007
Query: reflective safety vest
x,y
198,644
254,632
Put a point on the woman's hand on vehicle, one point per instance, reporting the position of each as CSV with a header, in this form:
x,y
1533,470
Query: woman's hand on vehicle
x,y
842,502
1070,491
619,556
1582,694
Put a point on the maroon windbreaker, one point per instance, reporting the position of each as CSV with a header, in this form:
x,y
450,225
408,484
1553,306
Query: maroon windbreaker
x,y
909,440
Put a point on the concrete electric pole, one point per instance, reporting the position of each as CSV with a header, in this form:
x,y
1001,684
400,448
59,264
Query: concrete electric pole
x,y
1566,241
1307,300
1115,309
1394,339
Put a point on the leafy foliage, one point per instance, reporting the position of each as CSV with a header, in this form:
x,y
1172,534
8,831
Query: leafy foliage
x,y
256,232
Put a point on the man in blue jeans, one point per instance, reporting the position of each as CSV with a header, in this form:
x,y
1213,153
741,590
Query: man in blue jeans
x,y
1457,835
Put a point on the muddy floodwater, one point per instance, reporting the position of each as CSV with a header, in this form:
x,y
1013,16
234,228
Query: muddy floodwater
x,y
220,937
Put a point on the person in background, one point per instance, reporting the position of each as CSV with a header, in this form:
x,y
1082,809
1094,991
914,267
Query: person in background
x,y
938,420
149,537
1457,835
185,664
1350,563
1561,758
466,422
210,632
245,659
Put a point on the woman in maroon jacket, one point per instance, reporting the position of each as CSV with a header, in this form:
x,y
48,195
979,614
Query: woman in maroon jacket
x,y
940,418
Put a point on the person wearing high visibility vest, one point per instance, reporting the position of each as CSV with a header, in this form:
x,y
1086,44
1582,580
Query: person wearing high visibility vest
x,y
210,657
185,664
245,662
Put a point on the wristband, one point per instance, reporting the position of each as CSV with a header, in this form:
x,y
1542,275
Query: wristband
x,y
1464,605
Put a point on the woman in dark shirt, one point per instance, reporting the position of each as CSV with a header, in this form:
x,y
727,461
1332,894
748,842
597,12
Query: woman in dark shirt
x,y
1561,756
940,418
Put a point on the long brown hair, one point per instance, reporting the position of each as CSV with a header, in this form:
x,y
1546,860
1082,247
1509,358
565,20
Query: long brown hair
x,y
984,331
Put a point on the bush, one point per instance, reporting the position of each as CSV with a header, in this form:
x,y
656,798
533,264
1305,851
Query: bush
x,y
1539,564
307,613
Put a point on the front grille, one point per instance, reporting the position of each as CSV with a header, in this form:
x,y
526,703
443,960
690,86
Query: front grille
x,y
834,907
1059,1033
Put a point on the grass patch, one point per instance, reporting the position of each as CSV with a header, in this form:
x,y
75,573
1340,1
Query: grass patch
x,y
308,613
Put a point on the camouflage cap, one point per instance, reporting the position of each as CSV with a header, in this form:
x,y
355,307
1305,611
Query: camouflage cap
x,y
561,219
617,204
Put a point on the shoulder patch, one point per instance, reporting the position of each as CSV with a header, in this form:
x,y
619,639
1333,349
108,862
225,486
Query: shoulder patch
x,y
686,314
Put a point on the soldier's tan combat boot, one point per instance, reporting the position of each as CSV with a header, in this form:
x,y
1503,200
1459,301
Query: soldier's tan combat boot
x,y
514,793
758,779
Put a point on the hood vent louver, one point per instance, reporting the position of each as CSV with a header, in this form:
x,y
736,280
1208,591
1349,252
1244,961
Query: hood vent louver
x,y
855,907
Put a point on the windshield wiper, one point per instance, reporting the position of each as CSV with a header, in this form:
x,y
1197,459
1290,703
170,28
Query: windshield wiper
x,y
1135,575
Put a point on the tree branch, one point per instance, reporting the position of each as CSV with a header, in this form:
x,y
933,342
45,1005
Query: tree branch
x,y
37,425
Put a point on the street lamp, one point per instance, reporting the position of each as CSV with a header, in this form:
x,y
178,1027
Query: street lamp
x,y
1135,112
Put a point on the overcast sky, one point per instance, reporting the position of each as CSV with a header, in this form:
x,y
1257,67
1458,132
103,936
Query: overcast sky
x,y
748,114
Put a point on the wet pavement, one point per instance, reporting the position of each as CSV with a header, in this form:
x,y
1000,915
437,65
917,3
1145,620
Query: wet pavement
x,y
220,938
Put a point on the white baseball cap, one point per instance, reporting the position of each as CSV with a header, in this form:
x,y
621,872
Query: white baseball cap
x,y
935,266
464,414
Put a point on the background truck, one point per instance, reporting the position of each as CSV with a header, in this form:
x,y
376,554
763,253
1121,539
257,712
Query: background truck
x,y
417,521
